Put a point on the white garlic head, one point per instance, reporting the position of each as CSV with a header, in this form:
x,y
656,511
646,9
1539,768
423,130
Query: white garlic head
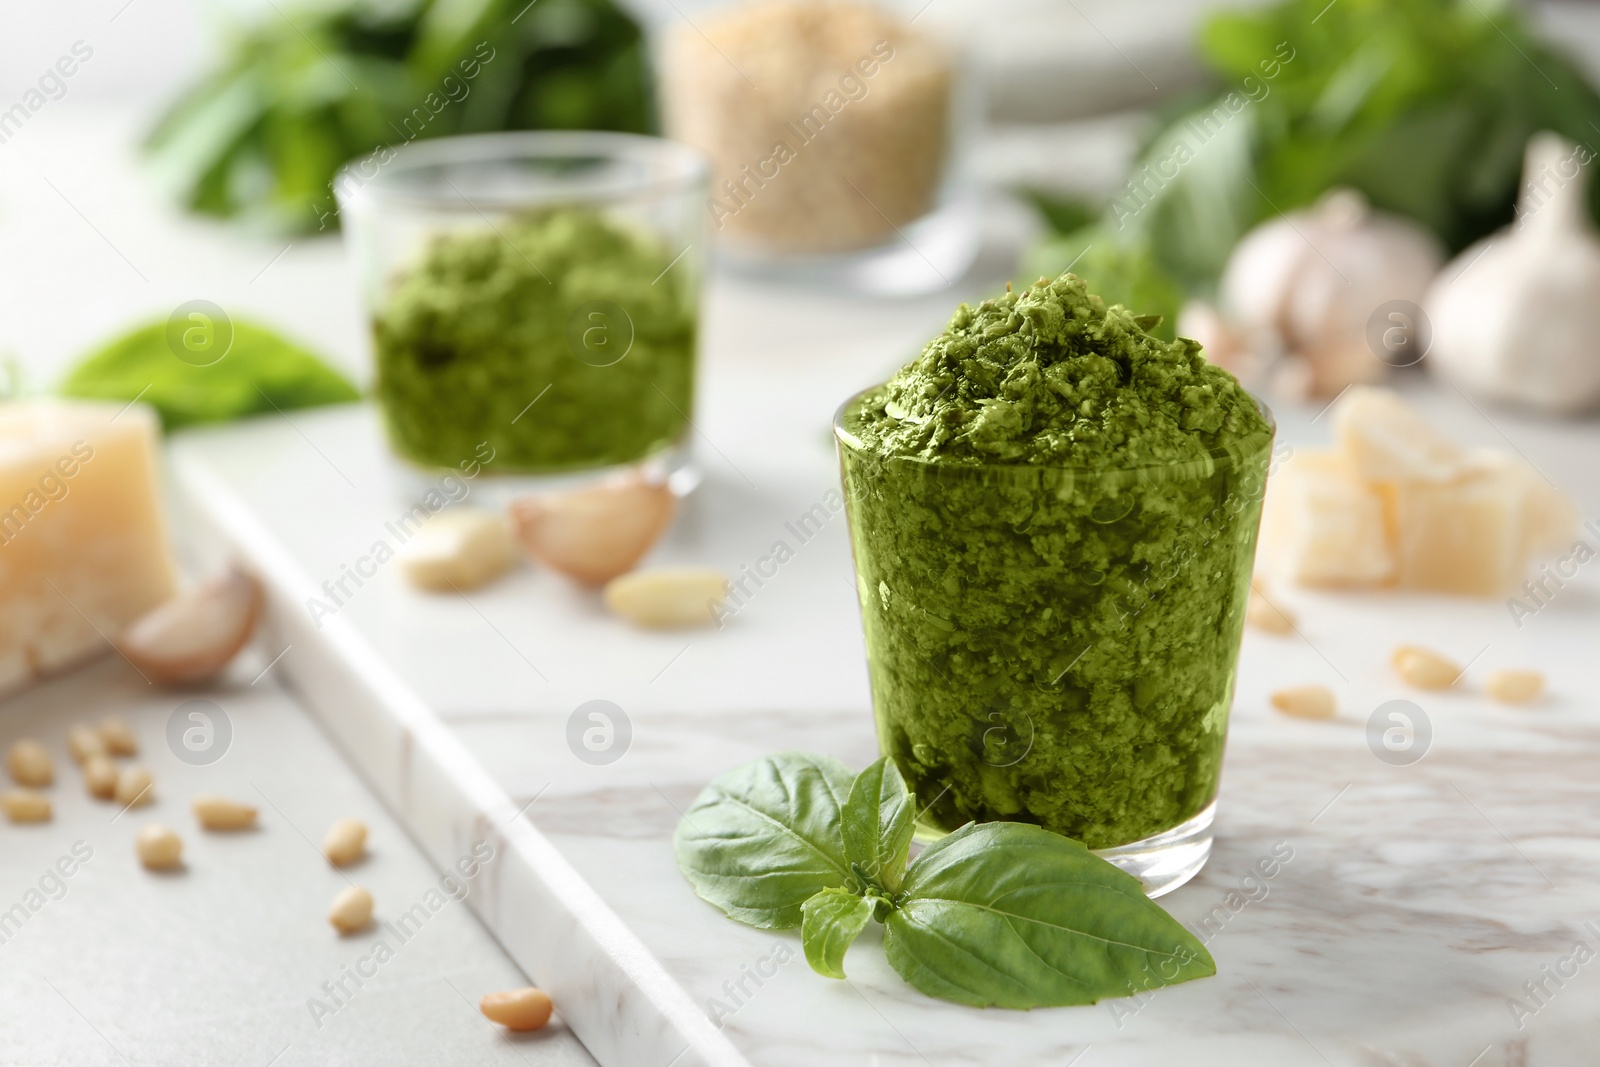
x,y
1516,317
1306,284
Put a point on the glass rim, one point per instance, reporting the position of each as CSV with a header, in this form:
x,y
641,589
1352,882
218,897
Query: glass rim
x,y
848,440
687,168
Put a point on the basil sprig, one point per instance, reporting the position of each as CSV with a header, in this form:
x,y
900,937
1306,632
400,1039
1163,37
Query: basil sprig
x,y
1005,914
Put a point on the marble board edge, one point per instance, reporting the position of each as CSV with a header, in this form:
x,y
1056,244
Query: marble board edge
x,y
609,989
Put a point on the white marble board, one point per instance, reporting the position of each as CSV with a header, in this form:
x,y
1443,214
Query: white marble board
x,y
1417,902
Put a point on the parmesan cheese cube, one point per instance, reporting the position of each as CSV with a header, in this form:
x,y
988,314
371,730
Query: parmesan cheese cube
x,y
1323,526
1386,441
82,549
1470,536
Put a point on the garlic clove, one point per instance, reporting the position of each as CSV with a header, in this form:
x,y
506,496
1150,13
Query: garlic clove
x,y
193,636
460,548
596,533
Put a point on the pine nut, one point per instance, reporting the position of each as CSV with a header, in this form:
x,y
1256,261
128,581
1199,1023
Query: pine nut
x,y
84,741
30,764
135,787
118,737
1515,687
24,805
345,842
1306,702
159,848
352,910
220,813
1423,668
1263,614
518,1009
668,597
100,777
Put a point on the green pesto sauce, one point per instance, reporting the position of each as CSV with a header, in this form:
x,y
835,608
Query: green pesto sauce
x,y
1054,516
561,338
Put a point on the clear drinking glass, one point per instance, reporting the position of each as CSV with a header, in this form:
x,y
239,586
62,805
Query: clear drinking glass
x,y
532,296
1057,645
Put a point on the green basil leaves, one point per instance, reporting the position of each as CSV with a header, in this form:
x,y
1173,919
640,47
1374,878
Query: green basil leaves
x,y
1005,914
1011,914
764,838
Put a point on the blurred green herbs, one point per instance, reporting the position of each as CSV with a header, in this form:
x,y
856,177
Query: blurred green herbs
x,y
1423,105
304,90
258,371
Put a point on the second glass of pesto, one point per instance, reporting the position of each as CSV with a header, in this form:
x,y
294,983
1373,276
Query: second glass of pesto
x,y
533,297
1054,515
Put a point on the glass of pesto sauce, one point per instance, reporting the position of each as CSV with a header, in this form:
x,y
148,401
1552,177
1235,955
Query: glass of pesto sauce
x,y
1054,515
532,297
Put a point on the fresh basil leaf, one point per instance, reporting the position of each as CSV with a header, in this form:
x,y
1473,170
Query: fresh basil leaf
x,y
831,921
1010,914
877,824
763,838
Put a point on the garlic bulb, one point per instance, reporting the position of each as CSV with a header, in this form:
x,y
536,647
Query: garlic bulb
x,y
1516,317
1305,286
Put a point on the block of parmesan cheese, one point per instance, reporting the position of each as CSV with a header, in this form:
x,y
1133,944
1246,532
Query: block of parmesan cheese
x,y
82,547
1323,526
1467,536
1387,441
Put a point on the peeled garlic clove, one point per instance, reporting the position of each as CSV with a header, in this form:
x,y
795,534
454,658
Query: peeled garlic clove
x,y
192,637
460,548
596,533
668,597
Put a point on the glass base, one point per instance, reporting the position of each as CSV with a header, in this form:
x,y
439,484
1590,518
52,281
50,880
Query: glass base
x,y
925,256
673,466
1168,859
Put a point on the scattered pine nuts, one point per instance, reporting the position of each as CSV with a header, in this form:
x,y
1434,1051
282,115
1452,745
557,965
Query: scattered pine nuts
x,y
84,741
159,848
220,813
135,787
30,764
25,805
118,737
1423,668
100,777
1306,702
352,910
1515,687
1263,614
518,1009
345,842
668,597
